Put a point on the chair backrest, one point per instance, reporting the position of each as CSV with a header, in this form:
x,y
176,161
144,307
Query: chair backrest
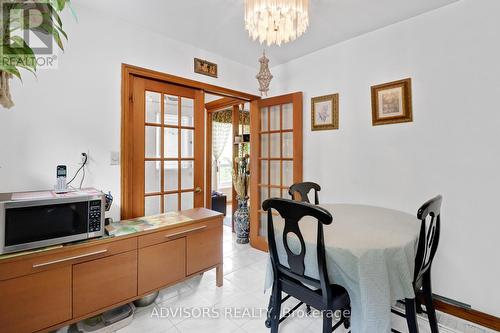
x,y
430,216
303,190
292,212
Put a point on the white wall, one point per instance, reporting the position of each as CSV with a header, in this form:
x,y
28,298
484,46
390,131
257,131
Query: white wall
x,y
452,147
77,107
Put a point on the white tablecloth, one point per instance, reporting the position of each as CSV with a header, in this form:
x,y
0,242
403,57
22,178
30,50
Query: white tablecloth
x,y
370,251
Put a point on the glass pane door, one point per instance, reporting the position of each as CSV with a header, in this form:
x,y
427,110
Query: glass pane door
x,y
169,153
276,128
163,161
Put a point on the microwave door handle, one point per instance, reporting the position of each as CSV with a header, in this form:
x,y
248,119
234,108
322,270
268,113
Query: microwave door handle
x,y
70,258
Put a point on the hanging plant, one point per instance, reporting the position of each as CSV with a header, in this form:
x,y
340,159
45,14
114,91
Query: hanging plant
x,y
17,18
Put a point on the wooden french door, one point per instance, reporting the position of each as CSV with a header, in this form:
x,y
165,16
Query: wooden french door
x,y
163,149
276,160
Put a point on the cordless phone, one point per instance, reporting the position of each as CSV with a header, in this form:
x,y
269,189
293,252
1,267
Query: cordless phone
x,y
61,186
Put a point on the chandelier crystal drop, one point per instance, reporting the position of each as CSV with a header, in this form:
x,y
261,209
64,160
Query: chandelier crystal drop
x,y
276,21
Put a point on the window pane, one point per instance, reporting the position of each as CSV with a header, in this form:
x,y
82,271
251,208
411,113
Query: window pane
x,y
187,174
275,173
171,110
152,205
152,176
264,193
153,110
171,176
275,193
264,119
287,116
263,225
275,144
153,141
287,145
171,145
171,201
187,139
264,145
264,172
187,199
287,173
187,113
275,118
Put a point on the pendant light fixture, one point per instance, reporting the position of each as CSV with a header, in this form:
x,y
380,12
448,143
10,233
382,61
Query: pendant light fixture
x,y
276,21
264,76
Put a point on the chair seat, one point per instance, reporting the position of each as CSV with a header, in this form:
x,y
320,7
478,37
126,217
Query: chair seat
x,y
340,297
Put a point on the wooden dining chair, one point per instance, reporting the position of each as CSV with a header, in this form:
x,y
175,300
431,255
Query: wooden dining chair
x,y
430,216
303,189
290,278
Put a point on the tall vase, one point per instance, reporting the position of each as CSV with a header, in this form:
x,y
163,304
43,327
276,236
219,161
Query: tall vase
x,y
242,222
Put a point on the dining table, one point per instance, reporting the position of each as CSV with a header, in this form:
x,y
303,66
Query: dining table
x,y
370,251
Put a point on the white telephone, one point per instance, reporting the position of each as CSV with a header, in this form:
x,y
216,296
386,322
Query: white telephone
x,y
61,186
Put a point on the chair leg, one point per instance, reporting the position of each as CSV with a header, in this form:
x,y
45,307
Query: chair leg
x,y
411,315
327,322
429,304
275,307
269,312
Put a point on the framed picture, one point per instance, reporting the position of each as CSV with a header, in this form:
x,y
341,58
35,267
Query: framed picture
x,y
205,67
325,112
391,103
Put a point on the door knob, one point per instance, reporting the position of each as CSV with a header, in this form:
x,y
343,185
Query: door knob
x,y
198,190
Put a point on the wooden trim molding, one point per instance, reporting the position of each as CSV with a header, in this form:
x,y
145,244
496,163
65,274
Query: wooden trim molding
x,y
471,315
209,88
222,103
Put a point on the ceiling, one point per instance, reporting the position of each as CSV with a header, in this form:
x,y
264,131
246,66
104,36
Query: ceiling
x,y
217,25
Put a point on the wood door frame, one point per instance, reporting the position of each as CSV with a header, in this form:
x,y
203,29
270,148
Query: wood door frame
x,y
211,107
128,73
296,98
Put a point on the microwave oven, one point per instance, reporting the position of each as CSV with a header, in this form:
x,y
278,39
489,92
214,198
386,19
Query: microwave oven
x,y
32,220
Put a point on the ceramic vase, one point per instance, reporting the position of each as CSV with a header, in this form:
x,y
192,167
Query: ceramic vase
x,y
242,221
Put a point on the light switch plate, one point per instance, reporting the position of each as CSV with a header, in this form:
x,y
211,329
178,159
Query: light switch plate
x,y
115,158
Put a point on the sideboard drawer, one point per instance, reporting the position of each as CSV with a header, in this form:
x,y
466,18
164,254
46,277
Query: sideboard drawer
x,y
104,282
170,234
161,264
65,256
31,303
204,250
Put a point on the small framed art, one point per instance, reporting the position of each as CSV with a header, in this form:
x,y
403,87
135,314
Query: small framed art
x,y
392,103
325,112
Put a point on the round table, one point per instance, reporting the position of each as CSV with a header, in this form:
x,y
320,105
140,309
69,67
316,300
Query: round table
x,y
370,251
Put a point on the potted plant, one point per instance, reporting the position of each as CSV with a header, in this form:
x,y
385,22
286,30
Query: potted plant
x,y
39,16
241,183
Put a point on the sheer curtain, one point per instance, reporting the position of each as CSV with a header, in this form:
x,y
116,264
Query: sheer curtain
x,y
221,132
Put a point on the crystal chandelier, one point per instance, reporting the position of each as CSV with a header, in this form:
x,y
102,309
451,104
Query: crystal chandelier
x,y
264,76
276,21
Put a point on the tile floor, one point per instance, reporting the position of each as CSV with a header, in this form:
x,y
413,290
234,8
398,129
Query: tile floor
x,y
240,305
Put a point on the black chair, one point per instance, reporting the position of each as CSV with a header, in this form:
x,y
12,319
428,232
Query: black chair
x,y
430,215
327,297
303,190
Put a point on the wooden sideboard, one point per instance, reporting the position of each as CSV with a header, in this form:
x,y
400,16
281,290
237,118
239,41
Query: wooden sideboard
x,y
42,291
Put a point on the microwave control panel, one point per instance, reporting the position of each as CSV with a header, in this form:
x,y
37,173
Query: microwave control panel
x,y
95,215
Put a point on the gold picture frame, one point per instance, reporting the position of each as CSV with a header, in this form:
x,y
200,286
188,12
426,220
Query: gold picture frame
x,y
205,67
325,112
392,103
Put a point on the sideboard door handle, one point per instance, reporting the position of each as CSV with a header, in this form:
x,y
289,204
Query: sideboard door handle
x,y
185,232
70,258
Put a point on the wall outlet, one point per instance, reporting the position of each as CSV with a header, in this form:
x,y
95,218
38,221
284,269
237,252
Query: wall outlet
x,y
115,158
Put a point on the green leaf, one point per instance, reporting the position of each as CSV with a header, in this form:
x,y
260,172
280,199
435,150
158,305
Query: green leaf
x,y
58,40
